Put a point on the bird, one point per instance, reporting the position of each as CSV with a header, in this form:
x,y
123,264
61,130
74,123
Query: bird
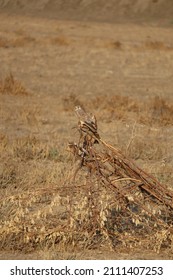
x,y
87,122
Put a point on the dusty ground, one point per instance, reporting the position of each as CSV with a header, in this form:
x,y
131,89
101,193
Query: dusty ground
x,y
121,72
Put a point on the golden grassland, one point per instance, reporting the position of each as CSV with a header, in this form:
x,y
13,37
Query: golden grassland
x,y
38,209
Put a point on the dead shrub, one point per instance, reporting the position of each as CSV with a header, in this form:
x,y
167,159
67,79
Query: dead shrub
x,y
161,111
10,85
97,199
4,42
123,204
19,41
61,41
116,45
157,45
8,175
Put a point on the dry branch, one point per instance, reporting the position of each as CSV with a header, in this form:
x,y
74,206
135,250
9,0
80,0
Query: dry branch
x,y
138,204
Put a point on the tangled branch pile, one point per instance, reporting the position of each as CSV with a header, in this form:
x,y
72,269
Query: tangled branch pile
x,y
104,201
117,202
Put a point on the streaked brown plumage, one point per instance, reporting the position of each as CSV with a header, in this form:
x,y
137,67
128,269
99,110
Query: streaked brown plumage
x,y
87,122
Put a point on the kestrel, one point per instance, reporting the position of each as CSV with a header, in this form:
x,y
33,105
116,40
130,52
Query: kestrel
x,y
87,122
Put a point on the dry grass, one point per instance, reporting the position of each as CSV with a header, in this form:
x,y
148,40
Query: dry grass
x,y
157,45
161,111
29,198
38,210
9,85
115,45
18,41
61,41
42,208
115,74
156,111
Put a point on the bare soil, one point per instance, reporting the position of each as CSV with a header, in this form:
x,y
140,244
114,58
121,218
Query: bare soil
x,y
120,71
